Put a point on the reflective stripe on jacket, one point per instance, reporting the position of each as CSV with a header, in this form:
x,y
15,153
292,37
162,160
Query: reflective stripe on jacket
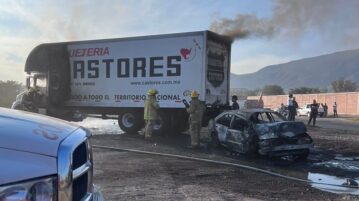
x,y
195,111
150,110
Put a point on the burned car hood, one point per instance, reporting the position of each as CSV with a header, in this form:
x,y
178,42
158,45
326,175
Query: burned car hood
x,y
20,166
286,129
32,133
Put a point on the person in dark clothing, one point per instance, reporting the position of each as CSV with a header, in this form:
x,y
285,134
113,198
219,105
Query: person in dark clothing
x,y
325,108
313,112
335,111
294,108
235,105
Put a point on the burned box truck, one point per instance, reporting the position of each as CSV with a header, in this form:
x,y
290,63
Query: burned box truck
x,y
113,76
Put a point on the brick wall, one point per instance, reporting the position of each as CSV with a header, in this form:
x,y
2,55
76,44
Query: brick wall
x,y
348,103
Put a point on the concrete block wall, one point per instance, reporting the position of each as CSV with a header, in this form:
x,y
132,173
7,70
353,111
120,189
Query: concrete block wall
x,y
348,102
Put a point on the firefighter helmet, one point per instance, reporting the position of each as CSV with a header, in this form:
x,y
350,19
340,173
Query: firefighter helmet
x,y
194,94
152,92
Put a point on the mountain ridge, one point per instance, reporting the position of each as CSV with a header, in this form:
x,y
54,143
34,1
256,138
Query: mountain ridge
x,y
317,72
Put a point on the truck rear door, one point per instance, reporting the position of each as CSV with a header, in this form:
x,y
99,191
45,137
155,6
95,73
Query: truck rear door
x,y
217,69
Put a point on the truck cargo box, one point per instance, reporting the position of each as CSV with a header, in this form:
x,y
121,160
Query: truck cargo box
x,y
119,72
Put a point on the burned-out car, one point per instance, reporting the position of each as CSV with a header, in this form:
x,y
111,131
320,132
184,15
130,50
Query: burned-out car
x,y
260,131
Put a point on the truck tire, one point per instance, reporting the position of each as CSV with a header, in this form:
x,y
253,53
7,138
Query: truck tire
x,y
130,121
162,124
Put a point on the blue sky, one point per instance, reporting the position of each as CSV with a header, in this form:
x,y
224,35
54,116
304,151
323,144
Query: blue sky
x,y
25,24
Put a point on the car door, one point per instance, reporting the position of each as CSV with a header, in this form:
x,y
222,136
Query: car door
x,y
222,125
238,136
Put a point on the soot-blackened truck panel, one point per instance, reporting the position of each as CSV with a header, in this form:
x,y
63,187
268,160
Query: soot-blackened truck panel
x,y
53,61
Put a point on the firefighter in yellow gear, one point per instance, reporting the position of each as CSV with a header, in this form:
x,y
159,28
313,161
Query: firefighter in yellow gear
x,y
150,112
195,110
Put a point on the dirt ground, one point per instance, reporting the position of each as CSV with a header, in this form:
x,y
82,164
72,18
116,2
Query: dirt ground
x,y
130,176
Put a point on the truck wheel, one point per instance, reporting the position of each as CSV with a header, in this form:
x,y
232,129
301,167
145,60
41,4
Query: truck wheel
x,y
130,121
162,124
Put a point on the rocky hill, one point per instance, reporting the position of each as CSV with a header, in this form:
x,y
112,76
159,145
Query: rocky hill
x,y
317,71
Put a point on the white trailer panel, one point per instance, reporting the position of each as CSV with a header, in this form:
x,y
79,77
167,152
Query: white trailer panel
x,y
119,73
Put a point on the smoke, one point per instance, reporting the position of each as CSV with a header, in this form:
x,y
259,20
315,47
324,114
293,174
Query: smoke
x,y
243,26
333,19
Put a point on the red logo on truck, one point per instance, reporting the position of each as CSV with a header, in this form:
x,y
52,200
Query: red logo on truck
x,y
185,52
188,54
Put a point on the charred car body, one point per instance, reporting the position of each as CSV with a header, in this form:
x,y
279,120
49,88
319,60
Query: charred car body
x,y
260,131
44,159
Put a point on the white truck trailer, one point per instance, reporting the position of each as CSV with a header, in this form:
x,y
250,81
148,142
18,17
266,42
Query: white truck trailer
x,y
113,76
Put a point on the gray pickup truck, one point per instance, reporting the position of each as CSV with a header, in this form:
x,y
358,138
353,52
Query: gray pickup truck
x,y
45,159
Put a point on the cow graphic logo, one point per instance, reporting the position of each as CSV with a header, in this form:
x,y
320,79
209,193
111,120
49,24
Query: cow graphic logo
x,y
188,54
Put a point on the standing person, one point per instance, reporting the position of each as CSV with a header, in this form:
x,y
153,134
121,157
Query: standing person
x,y
260,102
290,108
313,112
325,108
195,110
295,107
150,112
335,111
235,105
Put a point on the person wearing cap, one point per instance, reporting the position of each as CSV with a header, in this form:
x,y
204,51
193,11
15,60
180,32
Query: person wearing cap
x,y
195,110
150,112
235,105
